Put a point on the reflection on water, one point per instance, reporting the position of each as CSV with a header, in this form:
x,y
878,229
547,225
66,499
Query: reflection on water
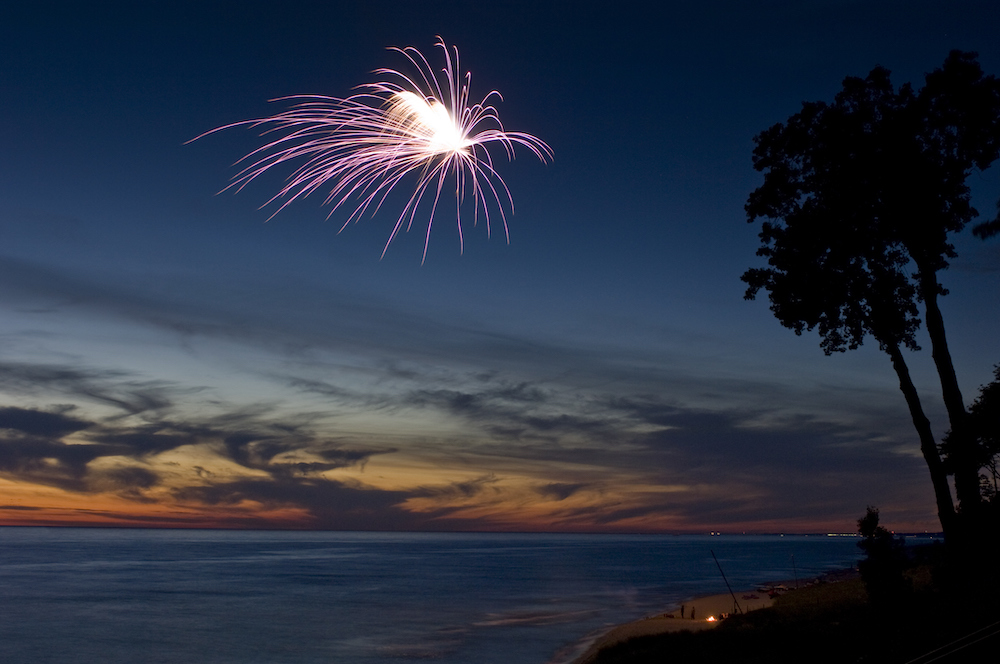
x,y
218,597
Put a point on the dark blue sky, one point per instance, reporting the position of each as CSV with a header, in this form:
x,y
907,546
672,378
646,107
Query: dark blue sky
x,y
601,371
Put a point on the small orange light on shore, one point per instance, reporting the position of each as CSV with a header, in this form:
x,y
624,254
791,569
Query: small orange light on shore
x,y
711,619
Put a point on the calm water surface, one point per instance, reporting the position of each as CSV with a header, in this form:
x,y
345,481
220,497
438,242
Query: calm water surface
x,y
114,596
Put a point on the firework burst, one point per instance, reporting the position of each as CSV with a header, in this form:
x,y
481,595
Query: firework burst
x,y
420,127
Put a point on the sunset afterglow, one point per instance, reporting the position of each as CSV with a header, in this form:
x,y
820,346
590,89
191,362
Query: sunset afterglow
x,y
170,356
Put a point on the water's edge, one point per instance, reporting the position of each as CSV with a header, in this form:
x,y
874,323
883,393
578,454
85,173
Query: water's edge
x,y
242,597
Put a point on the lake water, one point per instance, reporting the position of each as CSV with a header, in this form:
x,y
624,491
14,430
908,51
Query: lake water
x,y
117,596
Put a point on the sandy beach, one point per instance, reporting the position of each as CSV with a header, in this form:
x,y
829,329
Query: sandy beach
x,y
704,612
699,613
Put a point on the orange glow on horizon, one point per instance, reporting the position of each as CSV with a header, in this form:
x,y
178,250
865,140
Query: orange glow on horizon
x,y
406,492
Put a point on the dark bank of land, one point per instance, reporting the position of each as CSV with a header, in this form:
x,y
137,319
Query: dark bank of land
x,y
931,621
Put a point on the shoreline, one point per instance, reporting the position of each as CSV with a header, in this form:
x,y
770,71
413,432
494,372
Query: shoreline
x,y
707,612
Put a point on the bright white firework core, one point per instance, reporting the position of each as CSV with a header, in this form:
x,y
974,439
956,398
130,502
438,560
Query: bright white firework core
x,y
429,122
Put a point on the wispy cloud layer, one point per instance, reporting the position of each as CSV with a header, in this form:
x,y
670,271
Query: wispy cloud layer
x,y
411,444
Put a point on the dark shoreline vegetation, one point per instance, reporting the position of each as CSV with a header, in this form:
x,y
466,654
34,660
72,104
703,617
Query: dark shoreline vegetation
x,y
933,611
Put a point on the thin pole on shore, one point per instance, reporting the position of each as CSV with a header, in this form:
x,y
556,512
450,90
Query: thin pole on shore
x,y
735,603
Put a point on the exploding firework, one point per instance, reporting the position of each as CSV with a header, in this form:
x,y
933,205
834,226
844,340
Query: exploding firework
x,y
363,146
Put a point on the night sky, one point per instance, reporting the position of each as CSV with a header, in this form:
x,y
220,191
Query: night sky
x,y
171,357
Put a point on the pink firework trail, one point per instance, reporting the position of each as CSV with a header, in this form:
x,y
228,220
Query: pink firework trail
x,y
366,144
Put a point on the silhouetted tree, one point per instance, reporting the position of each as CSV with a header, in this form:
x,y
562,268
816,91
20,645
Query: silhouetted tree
x,y
984,425
857,195
882,570
978,562
956,128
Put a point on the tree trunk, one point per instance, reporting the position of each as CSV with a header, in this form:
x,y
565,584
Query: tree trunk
x,y
961,453
939,478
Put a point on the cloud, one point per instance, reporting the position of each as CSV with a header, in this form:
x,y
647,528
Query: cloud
x,y
33,449
48,462
330,504
466,489
129,482
560,490
150,438
103,386
39,423
521,410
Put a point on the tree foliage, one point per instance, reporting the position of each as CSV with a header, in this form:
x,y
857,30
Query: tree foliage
x,y
984,424
882,570
859,200
824,235
858,191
